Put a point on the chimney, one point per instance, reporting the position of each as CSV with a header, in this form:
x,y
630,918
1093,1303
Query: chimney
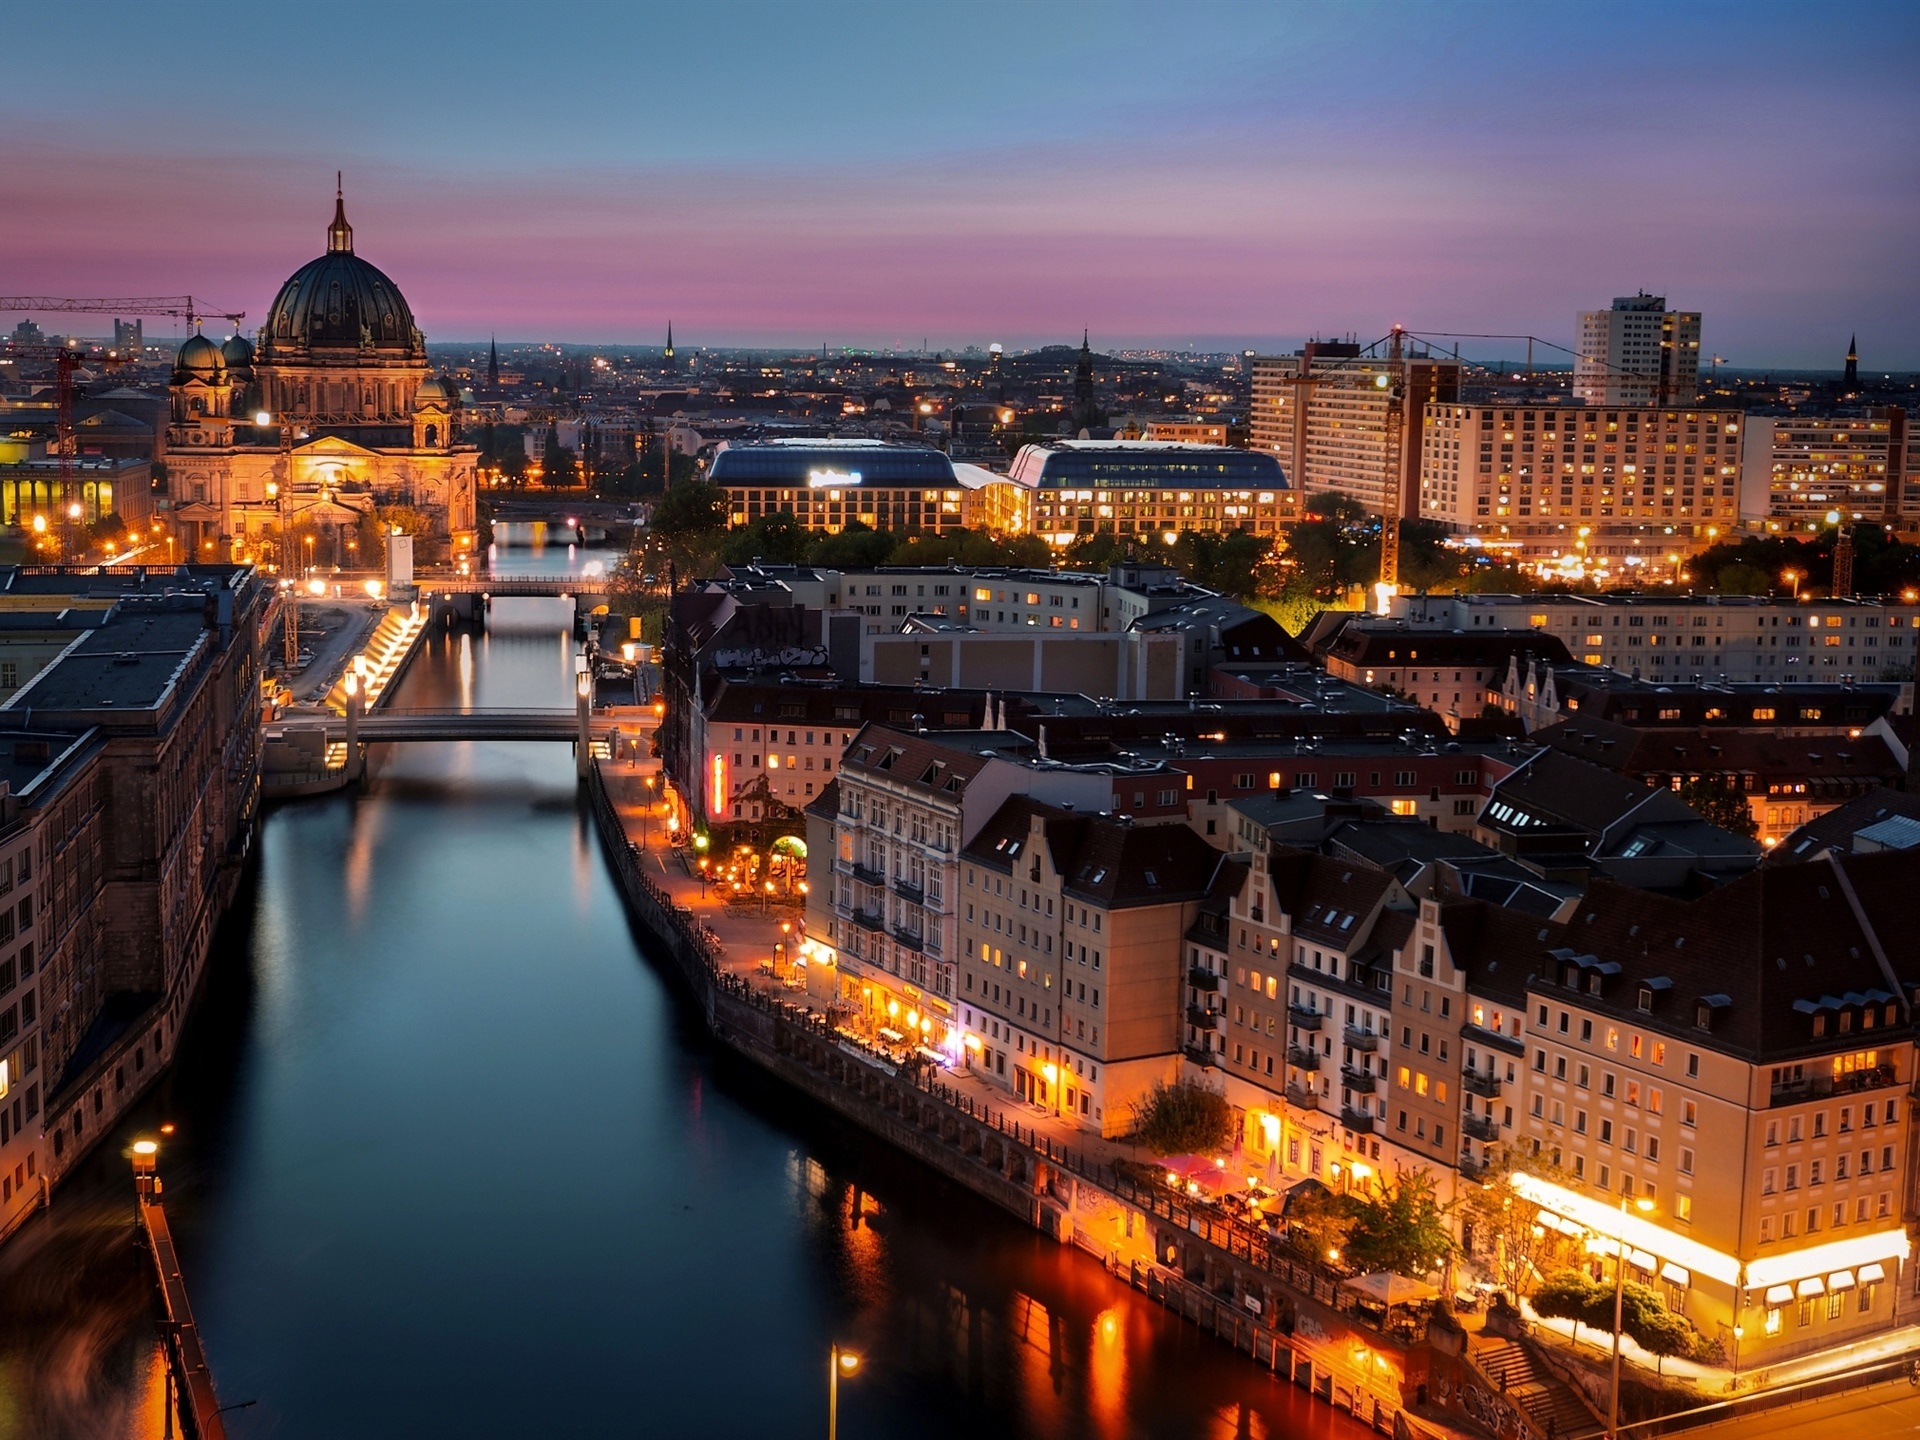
x,y
1043,742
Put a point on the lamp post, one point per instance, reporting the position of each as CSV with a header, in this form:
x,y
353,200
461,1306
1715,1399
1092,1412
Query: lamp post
x,y
1644,1205
704,862
839,1362
646,814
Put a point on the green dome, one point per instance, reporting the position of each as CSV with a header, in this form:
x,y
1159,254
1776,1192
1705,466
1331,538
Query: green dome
x,y
199,358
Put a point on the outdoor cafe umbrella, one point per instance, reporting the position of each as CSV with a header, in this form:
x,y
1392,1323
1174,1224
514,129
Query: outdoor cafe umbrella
x,y
1383,1287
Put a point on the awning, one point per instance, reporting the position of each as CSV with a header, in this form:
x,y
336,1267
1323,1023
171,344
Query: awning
x,y
1810,1287
1779,1294
1642,1260
1676,1275
1840,1280
1391,1289
1872,1274
1554,1222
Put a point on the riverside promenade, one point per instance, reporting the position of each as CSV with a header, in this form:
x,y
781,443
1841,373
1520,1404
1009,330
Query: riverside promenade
x,y
1290,1314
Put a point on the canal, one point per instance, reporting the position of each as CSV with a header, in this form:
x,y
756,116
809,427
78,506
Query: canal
x,y
450,1157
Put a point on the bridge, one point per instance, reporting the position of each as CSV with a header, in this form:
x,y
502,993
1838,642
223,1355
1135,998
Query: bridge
x,y
385,725
500,586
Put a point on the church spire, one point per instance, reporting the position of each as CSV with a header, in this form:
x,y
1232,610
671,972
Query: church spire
x,y
493,363
340,233
1852,380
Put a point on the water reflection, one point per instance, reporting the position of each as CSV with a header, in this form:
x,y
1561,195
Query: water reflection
x,y
453,1159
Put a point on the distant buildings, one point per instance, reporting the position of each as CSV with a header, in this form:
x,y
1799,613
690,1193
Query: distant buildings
x,y
1150,490
1638,353
1341,421
1865,466
1588,482
827,485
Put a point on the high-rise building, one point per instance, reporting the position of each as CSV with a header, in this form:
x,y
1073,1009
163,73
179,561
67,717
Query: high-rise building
x,y
128,336
1856,464
1542,477
1638,353
1342,421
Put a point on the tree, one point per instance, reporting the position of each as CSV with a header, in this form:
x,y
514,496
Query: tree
x,y
1319,1221
1741,578
1718,805
561,470
777,538
1508,1229
1401,1227
1182,1119
1574,1295
693,509
858,547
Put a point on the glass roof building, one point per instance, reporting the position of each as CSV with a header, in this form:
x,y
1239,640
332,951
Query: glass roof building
x,y
828,484
1150,487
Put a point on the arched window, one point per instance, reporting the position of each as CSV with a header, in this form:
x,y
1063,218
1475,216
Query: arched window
x,y
433,436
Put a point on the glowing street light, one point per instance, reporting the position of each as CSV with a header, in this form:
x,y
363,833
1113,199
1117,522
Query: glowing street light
x,y
1645,1207
839,1362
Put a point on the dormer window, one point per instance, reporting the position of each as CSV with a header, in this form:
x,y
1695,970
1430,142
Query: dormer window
x,y
1703,1016
1645,1001
1819,1026
1593,984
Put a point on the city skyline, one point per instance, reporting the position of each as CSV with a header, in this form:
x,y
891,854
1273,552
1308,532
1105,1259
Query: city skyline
x,y
1223,179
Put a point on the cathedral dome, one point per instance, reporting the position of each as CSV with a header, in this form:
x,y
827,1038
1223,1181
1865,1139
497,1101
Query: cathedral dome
x,y
339,303
237,353
199,358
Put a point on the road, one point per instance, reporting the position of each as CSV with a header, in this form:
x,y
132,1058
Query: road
x,y
1885,1410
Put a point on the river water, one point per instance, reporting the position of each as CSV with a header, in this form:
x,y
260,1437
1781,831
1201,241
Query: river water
x,y
452,1158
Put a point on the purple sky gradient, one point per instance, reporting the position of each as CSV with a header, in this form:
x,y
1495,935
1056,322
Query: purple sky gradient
x,y
1261,182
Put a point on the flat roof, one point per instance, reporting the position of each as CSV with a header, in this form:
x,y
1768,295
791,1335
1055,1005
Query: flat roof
x,y
1145,463
812,464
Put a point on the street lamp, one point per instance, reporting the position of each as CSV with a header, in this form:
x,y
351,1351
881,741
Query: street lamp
x,y
704,863
646,814
1792,577
1645,1206
839,1362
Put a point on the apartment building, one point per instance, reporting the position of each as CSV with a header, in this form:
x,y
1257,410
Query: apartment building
x,y
1739,1064
883,925
1593,483
1340,421
1071,957
1151,489
1695,638
1458,673
1637,353
1860,465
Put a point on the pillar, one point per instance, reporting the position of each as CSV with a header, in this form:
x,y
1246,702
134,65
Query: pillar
x,y
583,711
355,702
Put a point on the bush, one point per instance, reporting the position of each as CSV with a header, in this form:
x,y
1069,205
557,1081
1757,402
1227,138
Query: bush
x,y
1182,1119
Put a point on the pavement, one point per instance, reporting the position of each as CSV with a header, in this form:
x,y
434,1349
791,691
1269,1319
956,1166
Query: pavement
x,y
333,630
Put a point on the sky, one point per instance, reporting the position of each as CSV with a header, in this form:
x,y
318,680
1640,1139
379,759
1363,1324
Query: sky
x,y
1209,175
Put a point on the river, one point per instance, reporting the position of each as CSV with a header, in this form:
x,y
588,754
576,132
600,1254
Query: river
x,y
452,1158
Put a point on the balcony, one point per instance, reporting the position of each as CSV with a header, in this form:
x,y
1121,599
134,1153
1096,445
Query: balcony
x,y
1361,1082
866,874
1202,1056
1303,1097
912,939
1203,980
1819,1087
1473,1168
1205,1019
1303,1057
1304,1017
1360,1039
1481,1127
1481,1083
868,920
1357,1120
907,890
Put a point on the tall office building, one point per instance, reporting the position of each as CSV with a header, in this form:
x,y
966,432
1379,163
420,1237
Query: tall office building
x,y
1638,353
1342,421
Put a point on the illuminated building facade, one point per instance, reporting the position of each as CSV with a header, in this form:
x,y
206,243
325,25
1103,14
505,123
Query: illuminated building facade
x,y
827,485
1607,488
1694,638
339,362
1740,1063
1150,489
1638,353
1859,465
1070,931
1340,421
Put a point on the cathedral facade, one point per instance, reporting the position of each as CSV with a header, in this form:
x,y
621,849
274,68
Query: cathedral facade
x,y
332,413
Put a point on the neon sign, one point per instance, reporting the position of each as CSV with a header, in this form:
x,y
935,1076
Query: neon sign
x,y
818,478
719,806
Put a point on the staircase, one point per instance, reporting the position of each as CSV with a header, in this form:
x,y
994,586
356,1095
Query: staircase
x,y
1554,1407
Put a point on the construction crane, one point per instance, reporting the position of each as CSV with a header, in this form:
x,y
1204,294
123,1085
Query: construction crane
x,y
183,307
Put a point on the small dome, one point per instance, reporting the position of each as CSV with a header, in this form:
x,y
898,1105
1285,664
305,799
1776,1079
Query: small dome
x,y
200,357
433,390
237,353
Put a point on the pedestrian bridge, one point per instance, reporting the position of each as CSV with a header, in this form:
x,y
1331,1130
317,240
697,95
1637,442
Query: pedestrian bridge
x,y
393,724
516,586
